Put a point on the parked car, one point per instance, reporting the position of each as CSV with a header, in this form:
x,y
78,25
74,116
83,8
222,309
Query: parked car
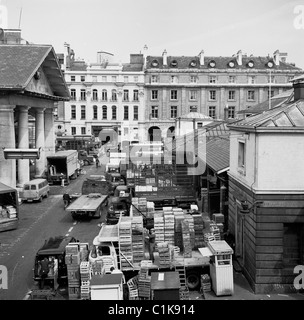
x,y
35,190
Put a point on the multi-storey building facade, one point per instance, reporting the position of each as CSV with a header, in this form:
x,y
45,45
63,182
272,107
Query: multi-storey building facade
x,y
217,87
104,95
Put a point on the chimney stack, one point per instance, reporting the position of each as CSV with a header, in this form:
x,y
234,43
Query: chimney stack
x,y
298,88
276,57
239,58
165,58
202,57
145,55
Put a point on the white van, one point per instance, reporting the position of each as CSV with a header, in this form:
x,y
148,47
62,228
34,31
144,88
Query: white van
x,y
35,190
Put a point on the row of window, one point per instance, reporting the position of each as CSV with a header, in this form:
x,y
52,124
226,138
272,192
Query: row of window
x,y
214,79
105,78
173,111
193,95
104,95
104,112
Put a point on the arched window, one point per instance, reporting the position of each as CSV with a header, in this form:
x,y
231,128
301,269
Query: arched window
x,y
95,95
114,95
104,95
104,112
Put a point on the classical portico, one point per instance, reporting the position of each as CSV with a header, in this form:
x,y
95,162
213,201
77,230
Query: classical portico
x,y
30,85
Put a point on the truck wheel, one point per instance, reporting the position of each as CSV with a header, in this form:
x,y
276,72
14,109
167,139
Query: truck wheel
x,y
193,280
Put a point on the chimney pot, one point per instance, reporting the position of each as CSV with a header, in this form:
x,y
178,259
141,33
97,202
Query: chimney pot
x,y
202,57
239,58
165,57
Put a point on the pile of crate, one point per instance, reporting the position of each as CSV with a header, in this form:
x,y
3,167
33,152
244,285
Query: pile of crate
x,y
190,220
159,227
72,260
125,241
198,230
85,276
205,283
214,229
142,205
144,284
169,226
164,252
138,241
135,207
187,247
133,288
178,218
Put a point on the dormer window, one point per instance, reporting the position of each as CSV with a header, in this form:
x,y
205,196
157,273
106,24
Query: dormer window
x,y
154,63
250,64
174,63
212,64
269,64
193,63
231,64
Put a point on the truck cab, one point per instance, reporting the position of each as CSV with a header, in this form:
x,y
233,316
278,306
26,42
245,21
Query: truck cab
x,y
53,248
117,206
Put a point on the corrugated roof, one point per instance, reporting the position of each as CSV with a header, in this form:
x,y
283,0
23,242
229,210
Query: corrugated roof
x,y
287,116
218,153
184,62
18,64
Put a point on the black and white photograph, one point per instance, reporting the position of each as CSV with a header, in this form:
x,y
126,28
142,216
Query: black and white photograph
x,y
151,153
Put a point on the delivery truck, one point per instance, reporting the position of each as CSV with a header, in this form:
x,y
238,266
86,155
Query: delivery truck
x,y
63,166
9,208
93,199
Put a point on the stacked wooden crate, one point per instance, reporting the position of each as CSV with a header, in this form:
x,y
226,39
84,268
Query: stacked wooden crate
x,y
150,209
205,283
142,205
159,227
85,277
125,241
72,260
214,229
144,284
189,218
187,248
138,240
178,218
198,230
163,250
135,207
169,226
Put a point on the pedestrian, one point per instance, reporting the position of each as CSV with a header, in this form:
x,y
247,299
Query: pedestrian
x,y
43,271
66,199
97,162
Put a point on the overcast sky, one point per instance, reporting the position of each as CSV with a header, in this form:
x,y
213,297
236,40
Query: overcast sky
x,y
182,27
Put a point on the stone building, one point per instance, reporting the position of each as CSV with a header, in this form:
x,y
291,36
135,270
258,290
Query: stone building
x,y
31,83
217,87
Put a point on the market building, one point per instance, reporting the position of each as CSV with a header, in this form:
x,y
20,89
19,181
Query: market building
x,y
266,196
31,83
217,87
104,95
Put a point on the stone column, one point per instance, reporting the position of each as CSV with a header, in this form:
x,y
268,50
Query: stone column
x,y
39,132
7,140
23,143
49,132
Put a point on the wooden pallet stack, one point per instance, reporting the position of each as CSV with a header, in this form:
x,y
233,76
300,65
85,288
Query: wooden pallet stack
x,y
214,229
198,230
133,288
72,260
159,227
85,276
138,240
178,236
187,248
205,284
125,241
169,226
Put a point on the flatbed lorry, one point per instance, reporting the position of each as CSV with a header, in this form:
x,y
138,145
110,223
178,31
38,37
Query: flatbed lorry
x,y
93,198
